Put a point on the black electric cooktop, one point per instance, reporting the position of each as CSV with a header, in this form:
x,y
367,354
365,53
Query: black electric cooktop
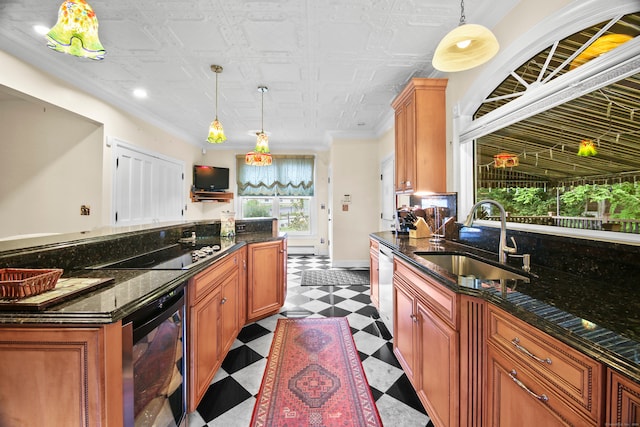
x,y
175,257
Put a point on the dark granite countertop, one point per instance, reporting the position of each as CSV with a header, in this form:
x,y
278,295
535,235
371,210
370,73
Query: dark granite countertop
x,y
130,289
598,318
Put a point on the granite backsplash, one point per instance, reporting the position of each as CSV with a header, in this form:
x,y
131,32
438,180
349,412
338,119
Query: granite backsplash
x,y
598,260
77,254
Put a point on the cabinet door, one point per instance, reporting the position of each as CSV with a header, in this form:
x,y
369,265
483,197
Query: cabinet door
x,y
204,345
516,398
264,281
410,148
623,401
61,376
230,311
403,328
437,367
400,143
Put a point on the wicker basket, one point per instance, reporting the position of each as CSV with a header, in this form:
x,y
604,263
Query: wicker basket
x,y
16,283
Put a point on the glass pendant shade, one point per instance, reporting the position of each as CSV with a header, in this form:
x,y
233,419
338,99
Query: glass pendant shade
x,y
216,132
505,160
76,31
465,47
587,148
260,155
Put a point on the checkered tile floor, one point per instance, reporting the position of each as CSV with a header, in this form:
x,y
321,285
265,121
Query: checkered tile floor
x,y
231,395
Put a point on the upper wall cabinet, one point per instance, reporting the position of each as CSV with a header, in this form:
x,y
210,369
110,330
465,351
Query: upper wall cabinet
x,y
420,114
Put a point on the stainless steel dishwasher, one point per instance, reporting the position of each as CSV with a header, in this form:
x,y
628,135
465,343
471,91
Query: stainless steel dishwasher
x,y
385,283
154,363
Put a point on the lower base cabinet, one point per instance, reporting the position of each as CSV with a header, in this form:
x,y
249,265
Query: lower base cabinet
x,y
61,376
213,322
623,400
266,278
534,379
426,341
473,364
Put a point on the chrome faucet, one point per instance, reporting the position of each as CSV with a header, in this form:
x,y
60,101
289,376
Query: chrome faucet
x,y
503,248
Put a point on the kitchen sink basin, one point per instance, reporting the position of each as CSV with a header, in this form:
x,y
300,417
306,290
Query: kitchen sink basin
x,y
466,266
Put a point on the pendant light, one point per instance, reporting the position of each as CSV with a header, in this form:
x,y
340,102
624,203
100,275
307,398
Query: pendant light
x,y
260,155
76,32
216,133
465,47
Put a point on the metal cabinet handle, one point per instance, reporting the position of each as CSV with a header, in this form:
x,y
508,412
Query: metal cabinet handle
x,y
541,397
223,300
414,318
516,343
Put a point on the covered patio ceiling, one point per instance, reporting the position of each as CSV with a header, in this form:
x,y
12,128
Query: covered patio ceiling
x,y
547,143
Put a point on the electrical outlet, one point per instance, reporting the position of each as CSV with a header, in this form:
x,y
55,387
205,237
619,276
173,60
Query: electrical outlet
x,y
85,210
322,240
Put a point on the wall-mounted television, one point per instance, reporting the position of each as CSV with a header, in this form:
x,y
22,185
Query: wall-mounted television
x,y
210,178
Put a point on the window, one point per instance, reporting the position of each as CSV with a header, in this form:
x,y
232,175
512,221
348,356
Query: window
x,y
574,163
283,190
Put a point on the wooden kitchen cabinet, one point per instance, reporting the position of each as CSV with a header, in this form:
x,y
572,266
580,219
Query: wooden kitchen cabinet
x,y
534,379
266,281
213,323
61,376
426,341
374,270
623,400
420,136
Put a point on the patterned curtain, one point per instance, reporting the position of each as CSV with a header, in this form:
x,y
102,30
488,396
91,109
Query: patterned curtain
x,y
287,176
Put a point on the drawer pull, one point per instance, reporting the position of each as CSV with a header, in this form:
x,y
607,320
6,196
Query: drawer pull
x,y
541,397
223,300
414,318
516,343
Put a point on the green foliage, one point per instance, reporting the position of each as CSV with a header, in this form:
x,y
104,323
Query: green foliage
x,y
520,201
254,209
298,220
622,200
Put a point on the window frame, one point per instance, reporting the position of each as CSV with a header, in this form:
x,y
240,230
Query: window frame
x,y
616,65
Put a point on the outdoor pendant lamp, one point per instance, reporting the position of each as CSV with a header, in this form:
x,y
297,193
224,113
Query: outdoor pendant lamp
x,y
216,133
76,31
260,155
465,47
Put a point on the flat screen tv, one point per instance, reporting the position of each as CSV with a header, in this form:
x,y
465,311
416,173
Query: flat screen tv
x,y
210,178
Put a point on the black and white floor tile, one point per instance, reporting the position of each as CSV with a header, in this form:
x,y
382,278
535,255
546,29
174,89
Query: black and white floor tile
x,y
231,395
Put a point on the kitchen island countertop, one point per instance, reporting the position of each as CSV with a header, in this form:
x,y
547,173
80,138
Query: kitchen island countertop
x,y
131,289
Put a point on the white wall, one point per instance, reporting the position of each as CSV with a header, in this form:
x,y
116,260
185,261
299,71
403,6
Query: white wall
x,y
72,136
355,170
43,185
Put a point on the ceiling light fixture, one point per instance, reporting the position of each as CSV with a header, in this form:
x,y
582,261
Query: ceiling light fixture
x,y
587,148
216,133
465,47
260,155
505,160
76,31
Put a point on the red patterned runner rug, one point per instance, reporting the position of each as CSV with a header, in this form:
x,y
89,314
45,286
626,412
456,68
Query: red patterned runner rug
x,y
314,378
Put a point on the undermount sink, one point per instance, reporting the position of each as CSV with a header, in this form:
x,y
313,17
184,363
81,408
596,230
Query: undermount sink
x,y
466,266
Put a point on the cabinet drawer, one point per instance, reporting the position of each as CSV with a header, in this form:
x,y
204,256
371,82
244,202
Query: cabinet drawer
x,y
441,300
517,397
574,376
374,245
205,281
